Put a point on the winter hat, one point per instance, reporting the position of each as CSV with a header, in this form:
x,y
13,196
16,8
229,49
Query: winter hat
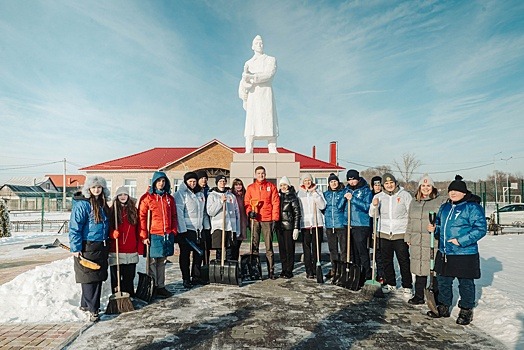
x,y
458,185
284,180
95,181
332,176
425,179
306,176
376,180
352,174
201,174
190,175
388,177
121,190
220,177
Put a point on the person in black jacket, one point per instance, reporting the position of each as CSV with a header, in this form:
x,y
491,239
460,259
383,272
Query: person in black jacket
x,y
288,226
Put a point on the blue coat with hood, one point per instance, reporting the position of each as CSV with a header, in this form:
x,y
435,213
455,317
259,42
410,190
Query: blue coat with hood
x,y
465,221
335,215
360,203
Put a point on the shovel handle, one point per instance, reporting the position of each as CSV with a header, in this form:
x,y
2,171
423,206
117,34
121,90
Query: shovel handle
x,y
348,256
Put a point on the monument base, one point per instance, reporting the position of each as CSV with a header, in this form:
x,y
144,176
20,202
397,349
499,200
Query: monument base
x,y
276,165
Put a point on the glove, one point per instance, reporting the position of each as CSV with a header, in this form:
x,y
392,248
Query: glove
x,y
252,215
115,234
295,234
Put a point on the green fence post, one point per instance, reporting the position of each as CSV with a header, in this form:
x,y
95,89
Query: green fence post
x,y
42,220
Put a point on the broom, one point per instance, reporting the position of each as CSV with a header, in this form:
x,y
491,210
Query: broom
x,y
372,288
119,302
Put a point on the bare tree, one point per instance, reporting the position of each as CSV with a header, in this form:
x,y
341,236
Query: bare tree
x,y
375,171
406,167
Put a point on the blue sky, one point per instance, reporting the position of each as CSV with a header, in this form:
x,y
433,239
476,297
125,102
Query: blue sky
x,y
93,81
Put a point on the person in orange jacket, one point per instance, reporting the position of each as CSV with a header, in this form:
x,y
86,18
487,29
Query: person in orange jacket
x,y
265,213
162,230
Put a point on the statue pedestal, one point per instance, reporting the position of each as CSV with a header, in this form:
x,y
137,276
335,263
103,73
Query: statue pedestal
x,y
276,165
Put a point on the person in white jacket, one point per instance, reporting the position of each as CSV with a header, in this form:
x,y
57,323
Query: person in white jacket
x,y
190,206
393,208
312,203
228,220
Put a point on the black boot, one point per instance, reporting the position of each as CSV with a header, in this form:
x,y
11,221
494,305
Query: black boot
x,y
416,300
465,316
443,311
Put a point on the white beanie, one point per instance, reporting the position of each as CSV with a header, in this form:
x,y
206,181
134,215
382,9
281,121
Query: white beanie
x,y
306,176
121,190
284,180
425,179
95,181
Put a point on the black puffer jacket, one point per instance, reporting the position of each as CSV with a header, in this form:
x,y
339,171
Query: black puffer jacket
x,y
289,210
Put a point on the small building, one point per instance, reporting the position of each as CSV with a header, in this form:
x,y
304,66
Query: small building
x,y
135,171
73,183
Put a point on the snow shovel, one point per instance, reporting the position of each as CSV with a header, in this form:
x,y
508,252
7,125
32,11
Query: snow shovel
x,y
144,290
320,277
350,277
429,292
224,271
83,261
119,302
250,266
372,288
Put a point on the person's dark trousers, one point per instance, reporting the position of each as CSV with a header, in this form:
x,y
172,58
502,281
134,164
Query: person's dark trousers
x,y
206,238
127,276
379,265
286,249
235,255
360,250
196,263
401,249
309,246
421,284
228,256
266,228
91,296
184,259
466,291
337,242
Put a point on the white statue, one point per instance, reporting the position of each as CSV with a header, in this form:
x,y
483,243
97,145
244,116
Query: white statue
x,y
259,103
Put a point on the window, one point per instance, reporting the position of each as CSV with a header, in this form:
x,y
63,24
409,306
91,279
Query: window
x,y
176,184
322,184
109,186
130,184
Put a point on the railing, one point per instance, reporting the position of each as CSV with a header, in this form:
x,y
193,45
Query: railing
x,y
40,226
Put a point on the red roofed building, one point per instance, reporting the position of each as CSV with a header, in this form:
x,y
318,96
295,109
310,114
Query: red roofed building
x,y
135,171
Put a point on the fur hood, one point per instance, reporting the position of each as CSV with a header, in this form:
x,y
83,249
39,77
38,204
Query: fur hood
x,y
94,181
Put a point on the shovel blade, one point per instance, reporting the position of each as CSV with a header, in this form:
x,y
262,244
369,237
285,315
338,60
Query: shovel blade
x,y
430,300
251,269
229,273
350,277
144,290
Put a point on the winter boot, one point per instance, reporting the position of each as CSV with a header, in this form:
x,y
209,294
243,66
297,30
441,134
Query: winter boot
x,y
416,300
163,293
330,274
465,316
443,311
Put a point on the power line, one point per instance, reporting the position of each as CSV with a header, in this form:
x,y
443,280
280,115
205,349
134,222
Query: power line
x,y
15,167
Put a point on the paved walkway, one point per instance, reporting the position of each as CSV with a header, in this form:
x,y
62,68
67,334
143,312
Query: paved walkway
x,y
280,314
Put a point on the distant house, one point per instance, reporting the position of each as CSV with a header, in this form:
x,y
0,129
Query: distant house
x,y
73,183
46,183
18,197
135,171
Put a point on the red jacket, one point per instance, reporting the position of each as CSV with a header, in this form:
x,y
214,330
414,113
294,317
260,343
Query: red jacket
x,y
128,238
268,208
163,214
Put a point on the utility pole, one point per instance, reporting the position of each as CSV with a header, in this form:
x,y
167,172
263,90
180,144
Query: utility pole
x,y
64,187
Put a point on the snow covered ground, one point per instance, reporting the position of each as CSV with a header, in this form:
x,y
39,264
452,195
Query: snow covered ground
x,y
49,293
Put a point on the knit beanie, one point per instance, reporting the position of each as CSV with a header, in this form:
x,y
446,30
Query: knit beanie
x,y
376,180
284,180
352,174
458,185
306,176
425,179
388,177
190,175
220,177
332,176
201,174
92,181
121,190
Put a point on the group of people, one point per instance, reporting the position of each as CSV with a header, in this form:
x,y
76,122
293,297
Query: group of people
x,y
196,216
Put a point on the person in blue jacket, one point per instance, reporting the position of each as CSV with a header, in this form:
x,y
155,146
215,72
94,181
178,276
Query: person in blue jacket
x,y
88,235
460,224
336,222
360,196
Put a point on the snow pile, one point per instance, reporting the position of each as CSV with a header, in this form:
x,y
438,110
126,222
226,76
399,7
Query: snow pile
x,y
47,293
